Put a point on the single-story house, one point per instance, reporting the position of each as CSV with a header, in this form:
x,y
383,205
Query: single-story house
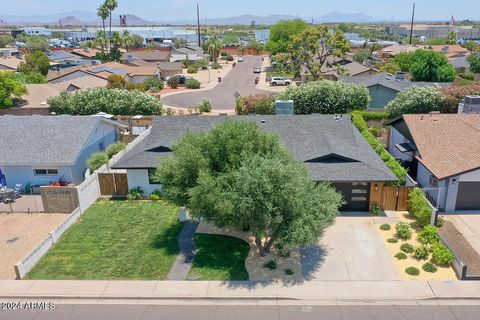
x,y
10,63
148,56
86,53
394,49
331,147
445,152
450,51
167,69
383,86
460,64
190,52
335,67
37,150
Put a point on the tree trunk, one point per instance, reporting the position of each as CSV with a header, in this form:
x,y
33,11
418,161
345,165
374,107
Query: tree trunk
x,y
110,32
104,35
260,246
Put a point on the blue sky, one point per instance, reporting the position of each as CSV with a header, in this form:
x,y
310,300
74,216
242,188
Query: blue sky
x,y
160,10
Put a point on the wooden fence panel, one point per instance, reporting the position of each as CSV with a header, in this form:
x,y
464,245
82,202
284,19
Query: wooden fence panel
x,y
107,184
389,198
121,184
402,200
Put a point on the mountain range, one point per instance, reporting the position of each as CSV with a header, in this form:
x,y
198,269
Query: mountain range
x,y
86,18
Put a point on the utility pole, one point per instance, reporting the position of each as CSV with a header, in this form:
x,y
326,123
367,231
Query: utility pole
x,y
198,26
411,26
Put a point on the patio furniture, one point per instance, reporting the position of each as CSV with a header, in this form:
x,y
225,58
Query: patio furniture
x,y
18,190
7,195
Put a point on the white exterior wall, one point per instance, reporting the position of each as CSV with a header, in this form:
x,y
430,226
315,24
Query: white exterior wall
x,y
139,178
396,138
470,176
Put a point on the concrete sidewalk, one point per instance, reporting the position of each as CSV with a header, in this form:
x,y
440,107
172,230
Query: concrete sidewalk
x,y
242,290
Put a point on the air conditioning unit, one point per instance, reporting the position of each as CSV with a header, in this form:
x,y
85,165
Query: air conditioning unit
x,y
471,104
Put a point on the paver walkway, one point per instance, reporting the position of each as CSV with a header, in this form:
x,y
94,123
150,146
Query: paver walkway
x,y
183,263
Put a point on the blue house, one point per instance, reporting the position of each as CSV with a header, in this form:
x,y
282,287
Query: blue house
x,y
37,150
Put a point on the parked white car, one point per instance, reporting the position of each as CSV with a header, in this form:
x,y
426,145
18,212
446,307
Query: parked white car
x,y
280,81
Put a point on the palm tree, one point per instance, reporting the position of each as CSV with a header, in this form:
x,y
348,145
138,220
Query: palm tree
x,y
127,39
213,48
101,40
110,5
103,13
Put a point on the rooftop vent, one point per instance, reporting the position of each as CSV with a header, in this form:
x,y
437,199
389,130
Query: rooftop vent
x,y
263,121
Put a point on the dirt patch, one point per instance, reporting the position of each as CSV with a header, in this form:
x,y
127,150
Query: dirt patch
x,y
20,233
442,274
461,247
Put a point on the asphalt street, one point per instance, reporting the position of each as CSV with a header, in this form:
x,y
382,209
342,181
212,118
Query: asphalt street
x,y
240,79
227,312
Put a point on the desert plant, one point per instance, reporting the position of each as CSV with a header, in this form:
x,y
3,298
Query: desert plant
x,y
115,148
385,227
272,265
204,106
407,248
154,197
229,58
375,209
421,252
192,84
258,104
412,271
135,194
192,69
97,160
392,240
440,222
216,66
403,231
288,272
173,82
429,235
429,267
441,255
401,256
153,84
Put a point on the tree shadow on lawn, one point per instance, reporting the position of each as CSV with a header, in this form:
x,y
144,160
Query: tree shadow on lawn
x,y
168,239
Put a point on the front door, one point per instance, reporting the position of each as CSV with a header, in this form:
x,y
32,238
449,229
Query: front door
x,y
355,194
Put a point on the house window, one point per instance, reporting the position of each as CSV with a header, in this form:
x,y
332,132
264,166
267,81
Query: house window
x,y
433,182
45,172
151,177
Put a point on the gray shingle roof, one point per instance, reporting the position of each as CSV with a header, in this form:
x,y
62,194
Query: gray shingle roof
x,y
44,140
307,137
388,80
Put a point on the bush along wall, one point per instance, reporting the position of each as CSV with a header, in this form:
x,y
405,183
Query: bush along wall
x,y
358,121
419,207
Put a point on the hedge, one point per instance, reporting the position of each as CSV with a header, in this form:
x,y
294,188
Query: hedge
x,y
358,121
419,207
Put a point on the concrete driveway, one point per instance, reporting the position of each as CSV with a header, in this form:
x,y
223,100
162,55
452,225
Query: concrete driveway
x,y
469,225
240,79
350,250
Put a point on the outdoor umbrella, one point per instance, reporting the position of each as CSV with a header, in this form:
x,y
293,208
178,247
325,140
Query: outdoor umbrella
x,y
3,180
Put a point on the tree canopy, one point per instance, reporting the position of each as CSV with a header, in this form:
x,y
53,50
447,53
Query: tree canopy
x,y
416,100
426,65
237,176
474,60
36,62
281,33
327,97
9,85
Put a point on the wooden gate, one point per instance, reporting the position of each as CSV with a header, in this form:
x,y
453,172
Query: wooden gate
x,y
113,184
402,199
389,198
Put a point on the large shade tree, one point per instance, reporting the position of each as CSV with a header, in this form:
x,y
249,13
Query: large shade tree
x,y
281,34
238,176
36,62
10,86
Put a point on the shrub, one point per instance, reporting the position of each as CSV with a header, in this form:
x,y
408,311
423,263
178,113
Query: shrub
x,y
412,271
419,208
431,66
113,101
467,76
401,256
192,69
115,148
358,120
97,160
440,222
392,240
416,100
158,193
135,194
272,265
429,267
375,209
192,84
154,197
403,231
385,227
216,66
224,54
455,94
204,106
116,81
442,255
173,82
327,97
289,272
258,104
421,252
407,248
429,235
153,84
201,63
229,58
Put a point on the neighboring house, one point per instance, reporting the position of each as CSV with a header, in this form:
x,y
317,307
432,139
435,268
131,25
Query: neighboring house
x,y
460,64
9,63
167,69
189,52
444,150
37,150
9,52
87,53
383,87
64,59
331,148
450,51
393,50
148,56
335,67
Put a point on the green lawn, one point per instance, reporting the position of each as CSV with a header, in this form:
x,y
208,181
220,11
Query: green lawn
x,y
219,258
115,240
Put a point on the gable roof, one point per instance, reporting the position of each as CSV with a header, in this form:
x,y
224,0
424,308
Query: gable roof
x,y
448,144
10,62
56,56
44,140
161,55
389,81
307,137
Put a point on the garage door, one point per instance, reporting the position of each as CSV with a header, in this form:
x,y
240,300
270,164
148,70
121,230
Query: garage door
x,y
355,194
468,196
